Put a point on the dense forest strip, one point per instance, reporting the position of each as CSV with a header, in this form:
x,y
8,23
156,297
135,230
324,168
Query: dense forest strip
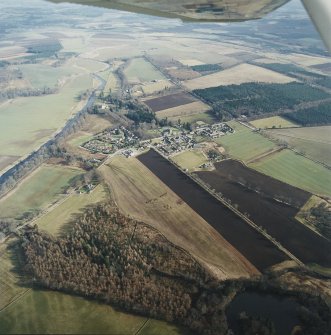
x,y
256,248
314,116
256,98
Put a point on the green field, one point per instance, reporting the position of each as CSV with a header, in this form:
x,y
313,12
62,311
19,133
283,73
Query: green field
x,y
190,160
244,144
53,221
90,65
47,312
139,70
273,122
313,142
26,123
37,191
9,288
153,327
104,74
41,76
112,83
296,170
77,141
205,117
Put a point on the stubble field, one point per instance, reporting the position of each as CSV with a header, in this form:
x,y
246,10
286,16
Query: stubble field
x,y
140,194
243,73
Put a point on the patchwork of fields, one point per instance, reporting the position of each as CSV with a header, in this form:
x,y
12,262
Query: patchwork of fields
x,y
313,142
256,248
278,204
296,170
139,193
149,188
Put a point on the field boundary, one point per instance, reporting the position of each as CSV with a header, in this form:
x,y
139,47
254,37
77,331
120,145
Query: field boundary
x,y
236,211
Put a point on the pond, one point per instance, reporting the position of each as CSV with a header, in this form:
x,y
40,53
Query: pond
x,y
282,311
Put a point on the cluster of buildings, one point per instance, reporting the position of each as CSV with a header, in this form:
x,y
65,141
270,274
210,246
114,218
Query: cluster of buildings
x,y
175,143
213,131
111,140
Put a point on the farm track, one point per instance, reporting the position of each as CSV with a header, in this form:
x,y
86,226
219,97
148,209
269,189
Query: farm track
x,y
264,155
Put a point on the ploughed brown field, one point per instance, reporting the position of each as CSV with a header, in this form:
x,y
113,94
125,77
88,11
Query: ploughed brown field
x,y
254,246
272,205
169,101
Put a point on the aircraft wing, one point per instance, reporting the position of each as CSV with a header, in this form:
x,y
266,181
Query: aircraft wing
x,y
217,10
320,13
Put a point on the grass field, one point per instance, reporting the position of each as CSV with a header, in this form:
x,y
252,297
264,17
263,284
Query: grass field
x,y
243,73
161,85
190,160
112,83
140,194
296,170
53,221
314,142
47,312
41,76
196,107
90,65
273,122
140,71
191,62
9,288
76,141
26,123
244,144
312,202
38,190
205,117
153,327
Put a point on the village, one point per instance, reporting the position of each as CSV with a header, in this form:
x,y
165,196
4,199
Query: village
x,y
111,140
174,142
173,139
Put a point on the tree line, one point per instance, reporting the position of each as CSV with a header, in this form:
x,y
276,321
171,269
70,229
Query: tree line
x,y
26,92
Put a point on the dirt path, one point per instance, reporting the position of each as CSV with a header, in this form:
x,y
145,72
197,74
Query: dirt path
x,y
264,155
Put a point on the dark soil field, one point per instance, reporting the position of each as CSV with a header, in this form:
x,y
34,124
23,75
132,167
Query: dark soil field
x,y
255,194
169,101
257,249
